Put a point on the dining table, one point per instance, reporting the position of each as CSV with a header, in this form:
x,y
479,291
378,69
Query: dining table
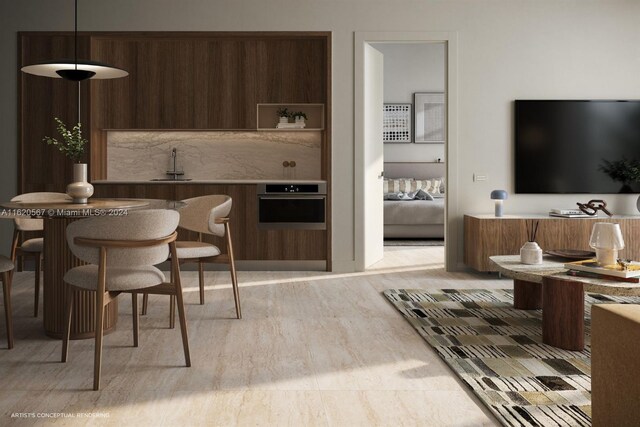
x,y
58,258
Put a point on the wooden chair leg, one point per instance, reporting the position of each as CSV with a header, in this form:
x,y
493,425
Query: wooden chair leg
x,y
36,296
201,280
8,314
134,311
172,312
67,323
100,293
145,303
97,361
175,279
232,270
172,305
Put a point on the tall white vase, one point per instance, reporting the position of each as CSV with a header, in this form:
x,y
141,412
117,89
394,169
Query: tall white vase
x,y
80,190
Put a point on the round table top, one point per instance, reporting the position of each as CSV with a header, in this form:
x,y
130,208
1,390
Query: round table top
x,y
510,266
66,209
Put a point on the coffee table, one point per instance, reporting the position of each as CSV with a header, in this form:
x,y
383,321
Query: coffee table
x,y
546,286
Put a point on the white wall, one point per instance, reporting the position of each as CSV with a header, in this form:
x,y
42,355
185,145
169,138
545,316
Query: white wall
x,y
409,68
508,49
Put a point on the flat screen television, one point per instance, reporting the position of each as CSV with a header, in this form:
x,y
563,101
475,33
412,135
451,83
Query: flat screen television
x,y
561,146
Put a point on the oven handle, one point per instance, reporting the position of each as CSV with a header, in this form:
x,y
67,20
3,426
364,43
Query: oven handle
x,y
303,197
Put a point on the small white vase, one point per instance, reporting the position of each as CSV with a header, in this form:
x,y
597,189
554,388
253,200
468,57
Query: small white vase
x,y
80,190
530,253
284,119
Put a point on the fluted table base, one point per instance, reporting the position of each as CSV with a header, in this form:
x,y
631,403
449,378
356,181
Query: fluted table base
x,y
58,259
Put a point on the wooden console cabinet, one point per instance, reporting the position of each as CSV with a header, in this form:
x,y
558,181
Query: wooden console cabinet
x,y
486,235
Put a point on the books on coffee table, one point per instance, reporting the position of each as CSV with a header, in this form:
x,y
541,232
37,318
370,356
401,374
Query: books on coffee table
x,y
591,266
567,211
578,215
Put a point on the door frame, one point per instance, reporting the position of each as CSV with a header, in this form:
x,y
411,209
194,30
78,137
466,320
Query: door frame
x,y
450,39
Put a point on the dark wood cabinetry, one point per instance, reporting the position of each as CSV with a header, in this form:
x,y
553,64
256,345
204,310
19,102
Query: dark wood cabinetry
x,y
204,81
178,81
249,242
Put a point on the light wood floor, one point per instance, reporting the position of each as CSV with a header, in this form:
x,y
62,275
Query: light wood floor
x,y
313,349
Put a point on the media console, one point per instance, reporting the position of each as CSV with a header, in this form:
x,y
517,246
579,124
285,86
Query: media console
x,y
486,235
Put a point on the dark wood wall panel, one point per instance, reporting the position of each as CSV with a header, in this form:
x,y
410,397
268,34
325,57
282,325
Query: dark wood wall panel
x,y
42,167
226,73
291,71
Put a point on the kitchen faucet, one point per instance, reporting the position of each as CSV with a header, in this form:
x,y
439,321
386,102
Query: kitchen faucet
x,y
174,158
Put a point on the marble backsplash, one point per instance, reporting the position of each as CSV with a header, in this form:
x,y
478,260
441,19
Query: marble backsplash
x,y
210,155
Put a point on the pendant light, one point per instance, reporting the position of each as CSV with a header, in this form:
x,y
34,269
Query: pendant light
x,y
75,70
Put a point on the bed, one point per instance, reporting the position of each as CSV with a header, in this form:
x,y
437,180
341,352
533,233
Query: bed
x,y
413,218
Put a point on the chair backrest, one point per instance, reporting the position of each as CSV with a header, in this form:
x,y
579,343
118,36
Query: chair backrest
x,y
28,224
200,213
138,225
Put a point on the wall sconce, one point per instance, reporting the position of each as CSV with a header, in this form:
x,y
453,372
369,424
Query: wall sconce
x,y
606,239
499,196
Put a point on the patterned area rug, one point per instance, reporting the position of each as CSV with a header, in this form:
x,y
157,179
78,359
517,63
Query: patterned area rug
x,y
498,352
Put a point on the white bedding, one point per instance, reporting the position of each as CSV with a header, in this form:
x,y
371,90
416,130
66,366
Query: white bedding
x,y
414,212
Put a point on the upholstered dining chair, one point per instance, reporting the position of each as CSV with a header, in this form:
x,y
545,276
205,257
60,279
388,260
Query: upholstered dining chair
x,y
122,253
205,215
32,248
5,268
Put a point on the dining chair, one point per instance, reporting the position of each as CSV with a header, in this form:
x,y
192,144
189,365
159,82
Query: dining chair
x,y
206,215
32,248
121,253
5,268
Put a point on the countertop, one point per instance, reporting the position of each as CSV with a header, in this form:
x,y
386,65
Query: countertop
x,y
214,181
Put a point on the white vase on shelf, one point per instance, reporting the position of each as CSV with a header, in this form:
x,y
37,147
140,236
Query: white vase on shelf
x,y
531,253
80,190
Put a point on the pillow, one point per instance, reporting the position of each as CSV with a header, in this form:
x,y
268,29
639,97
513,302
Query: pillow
x,y
397,185
435,186
397,196
422,195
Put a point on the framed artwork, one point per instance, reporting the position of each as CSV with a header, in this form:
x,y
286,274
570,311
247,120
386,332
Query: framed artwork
x,y
430,117
396,123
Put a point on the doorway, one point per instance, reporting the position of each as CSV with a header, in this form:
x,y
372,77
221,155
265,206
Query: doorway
x,y
421,159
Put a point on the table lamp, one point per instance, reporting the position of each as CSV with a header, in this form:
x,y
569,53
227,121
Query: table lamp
x,y
499,196
606,239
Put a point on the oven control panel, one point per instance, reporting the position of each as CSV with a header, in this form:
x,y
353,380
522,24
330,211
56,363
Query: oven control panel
x,y
292,188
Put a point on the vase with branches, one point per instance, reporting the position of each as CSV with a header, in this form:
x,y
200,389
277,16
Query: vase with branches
x,y
73,145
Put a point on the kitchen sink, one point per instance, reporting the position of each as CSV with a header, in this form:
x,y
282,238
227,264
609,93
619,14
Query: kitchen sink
x,y
171,179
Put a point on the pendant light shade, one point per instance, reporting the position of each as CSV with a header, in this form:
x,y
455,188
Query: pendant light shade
x,y
72,69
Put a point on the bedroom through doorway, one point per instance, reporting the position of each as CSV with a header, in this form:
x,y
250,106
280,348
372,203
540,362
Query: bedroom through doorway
x,y
414,152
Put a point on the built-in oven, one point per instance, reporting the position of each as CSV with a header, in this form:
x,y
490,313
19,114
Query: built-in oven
x,y
300,206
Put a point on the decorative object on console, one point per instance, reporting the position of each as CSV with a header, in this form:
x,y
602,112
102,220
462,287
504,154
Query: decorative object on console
x,y
430,117
530,252
283,114
72,145
396,123
75,70
499,196
593,206
606,239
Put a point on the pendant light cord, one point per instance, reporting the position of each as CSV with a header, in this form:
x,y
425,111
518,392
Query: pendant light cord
x,y
75,36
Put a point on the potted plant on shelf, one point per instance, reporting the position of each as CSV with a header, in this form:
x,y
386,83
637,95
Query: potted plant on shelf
x,y
299,117
72,145
283,114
